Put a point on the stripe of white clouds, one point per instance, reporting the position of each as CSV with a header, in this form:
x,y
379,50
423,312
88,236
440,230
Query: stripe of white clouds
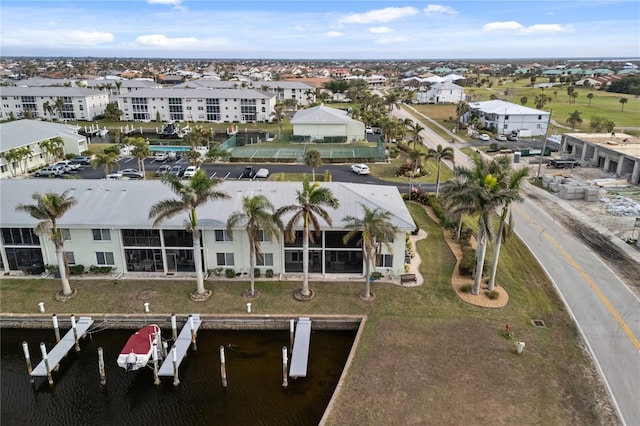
x,y
387,14
514,26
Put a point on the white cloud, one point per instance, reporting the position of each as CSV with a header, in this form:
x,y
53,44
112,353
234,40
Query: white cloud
x,y
391,40
437,9
380,15
173,2
159,40
502,26
533,29
380,30
85,38
298,28
334,34
546,29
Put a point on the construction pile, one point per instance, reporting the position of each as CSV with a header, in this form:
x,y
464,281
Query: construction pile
x,y
621,206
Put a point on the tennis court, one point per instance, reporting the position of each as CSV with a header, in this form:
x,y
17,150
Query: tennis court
x,y
297,153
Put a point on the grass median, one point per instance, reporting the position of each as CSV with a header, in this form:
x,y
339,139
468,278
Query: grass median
x,y
425,356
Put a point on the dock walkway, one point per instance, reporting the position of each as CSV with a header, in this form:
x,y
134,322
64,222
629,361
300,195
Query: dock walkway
x,y
300,353
181,345
63,347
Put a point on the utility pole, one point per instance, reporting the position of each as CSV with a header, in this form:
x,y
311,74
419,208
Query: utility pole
x,y
544,144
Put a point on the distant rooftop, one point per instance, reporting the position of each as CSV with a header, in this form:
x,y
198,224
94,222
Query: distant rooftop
x,y
617,142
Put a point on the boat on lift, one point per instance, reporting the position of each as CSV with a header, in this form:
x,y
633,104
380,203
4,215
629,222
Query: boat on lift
x,y
137,352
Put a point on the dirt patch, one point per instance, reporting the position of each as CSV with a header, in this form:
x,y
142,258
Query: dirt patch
x,y
146,294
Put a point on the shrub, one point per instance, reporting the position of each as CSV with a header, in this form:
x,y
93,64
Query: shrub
x,y
230,273
256,272
492,294
468,262
269,273
76,269
101,269
52,269
466,288
376,275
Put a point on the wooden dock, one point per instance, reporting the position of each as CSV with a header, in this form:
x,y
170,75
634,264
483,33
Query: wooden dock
x,y
181,345
300,353
63,347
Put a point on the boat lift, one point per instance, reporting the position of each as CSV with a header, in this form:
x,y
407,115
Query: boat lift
x,y
300,353
63,347
181,346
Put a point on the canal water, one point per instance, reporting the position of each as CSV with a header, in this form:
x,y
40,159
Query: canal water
x,y
254,394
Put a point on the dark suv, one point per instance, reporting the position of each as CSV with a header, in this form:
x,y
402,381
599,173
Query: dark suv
x,y
248,172
177,171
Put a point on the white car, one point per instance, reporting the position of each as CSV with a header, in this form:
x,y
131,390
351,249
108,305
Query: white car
x,y
485,137
261,174
68,165
161,156
361,169
190,171
501,138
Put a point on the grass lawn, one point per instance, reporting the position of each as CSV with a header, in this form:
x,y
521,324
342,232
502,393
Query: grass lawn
x,y
425,357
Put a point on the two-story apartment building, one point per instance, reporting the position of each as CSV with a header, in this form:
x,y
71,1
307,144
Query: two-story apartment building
x,y
198,105
77,103
506,117
30,134
110,226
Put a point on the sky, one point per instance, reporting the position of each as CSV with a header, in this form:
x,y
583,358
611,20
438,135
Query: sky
x,y
318,29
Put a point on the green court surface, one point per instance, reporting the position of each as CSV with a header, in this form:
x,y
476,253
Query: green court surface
x,y
293,152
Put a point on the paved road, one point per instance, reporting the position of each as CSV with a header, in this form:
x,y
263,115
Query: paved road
x,y
605,310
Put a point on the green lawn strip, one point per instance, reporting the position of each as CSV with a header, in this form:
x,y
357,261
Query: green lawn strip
x,y
425,357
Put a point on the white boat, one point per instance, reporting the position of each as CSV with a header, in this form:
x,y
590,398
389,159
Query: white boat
x,y
137,352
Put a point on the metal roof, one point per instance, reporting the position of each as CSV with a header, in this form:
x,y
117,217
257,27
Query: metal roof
x,y
195,93
321,115
19,133
44,91
502,108
126,204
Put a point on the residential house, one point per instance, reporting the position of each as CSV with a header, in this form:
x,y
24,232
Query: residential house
x,y
506,118
446,92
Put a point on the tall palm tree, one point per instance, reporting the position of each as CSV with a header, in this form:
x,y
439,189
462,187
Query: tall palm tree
x,y
415,157
278,115
313,159
108,161
574,118
415,128
392,100
515,180
622,102
256,217
308,209
140,151
590,96
48,209
375,230
479,190
58,106
198,191
439,154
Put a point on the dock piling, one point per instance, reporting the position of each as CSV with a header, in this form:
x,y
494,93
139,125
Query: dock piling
x,y
284,367
156,378
174,328
193,333
146,307
165,351
103,377
75,332
223,367
176,380
291,332
43,349
56,328
27,357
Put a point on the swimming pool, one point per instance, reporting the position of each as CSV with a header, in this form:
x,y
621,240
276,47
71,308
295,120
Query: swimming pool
x,y
169,148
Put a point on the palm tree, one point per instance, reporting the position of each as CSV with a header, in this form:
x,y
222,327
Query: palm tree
x,y
278,115
257,217
198,191
622,102
58,106
574,118
140,151
392,100
479,190
48,209
308,209
439,154
415,128
512,194
415,157
374,229
108,160
313,159
590,96
524,100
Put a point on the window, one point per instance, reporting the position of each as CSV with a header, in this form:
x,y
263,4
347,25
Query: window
x,y
264,237
225,259
104,258
222,235
101,235
66,234
267,260
506,117
385,261
71,258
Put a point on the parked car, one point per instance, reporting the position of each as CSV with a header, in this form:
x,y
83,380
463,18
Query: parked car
x,y
485,137
114,176
68,165
368,130
177,171
361,169
132,173
50,171
162,156
83,161
190,171
163,170
501,138
262,174
512,138
248,172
